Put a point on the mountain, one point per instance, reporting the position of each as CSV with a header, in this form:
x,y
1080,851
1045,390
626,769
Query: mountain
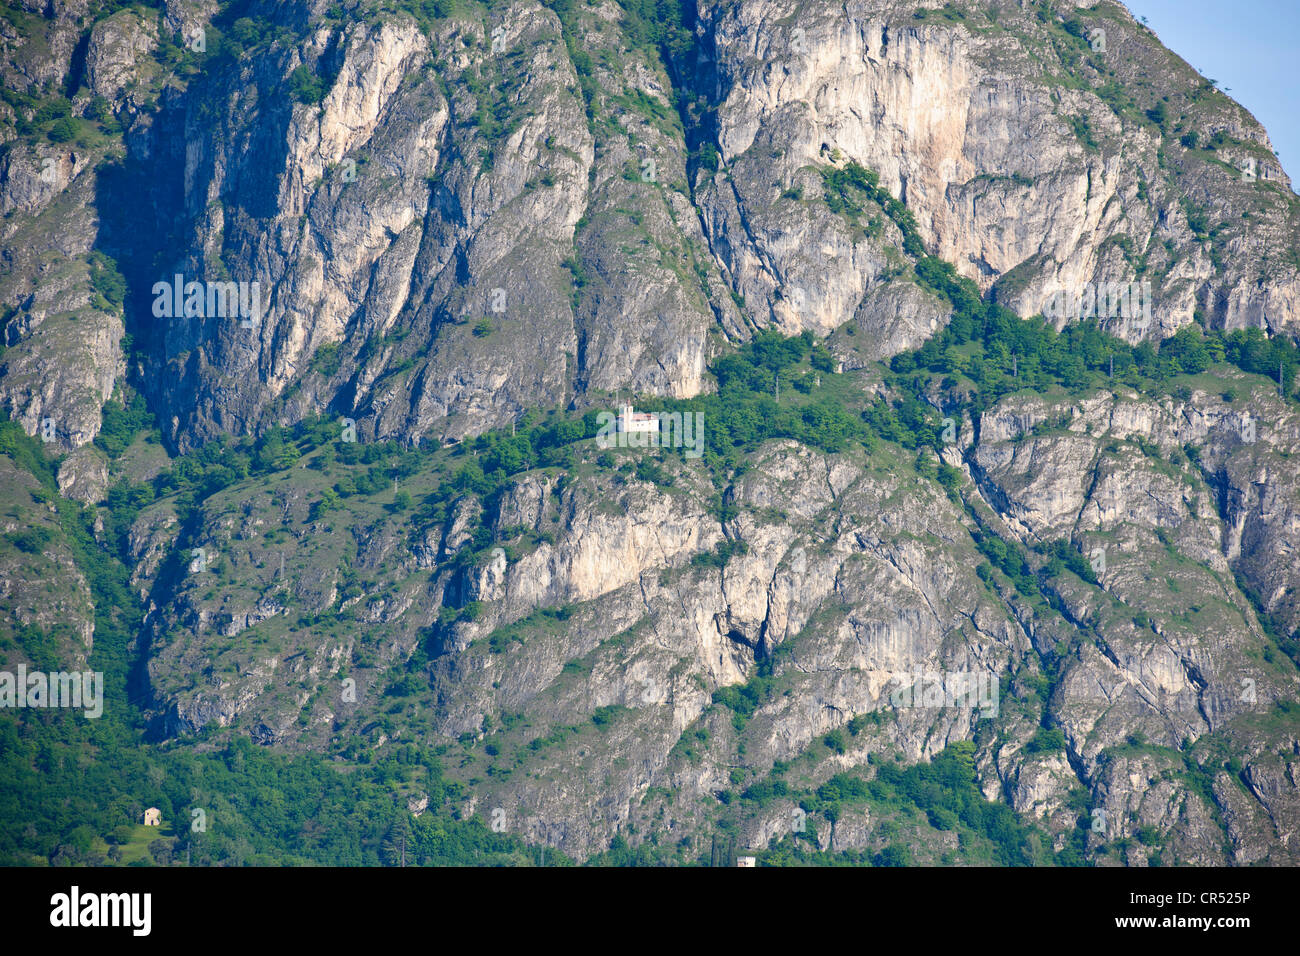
x,y
973,327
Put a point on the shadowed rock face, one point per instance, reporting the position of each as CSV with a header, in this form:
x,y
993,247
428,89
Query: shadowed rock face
x,y
502,211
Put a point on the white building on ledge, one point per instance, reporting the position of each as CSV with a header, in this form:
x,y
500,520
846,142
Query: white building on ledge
x,y
633,421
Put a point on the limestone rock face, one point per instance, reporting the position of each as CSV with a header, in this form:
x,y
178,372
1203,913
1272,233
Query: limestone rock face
x,y
1029,188
116,53
467,224
83,475
435,227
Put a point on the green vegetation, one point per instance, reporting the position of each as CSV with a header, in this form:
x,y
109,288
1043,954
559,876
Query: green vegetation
x,y
1001,353
500,640
720,555
26,452
949,12
944,793
121,424
261,808
1046,741
1081,126
745,411
73,787
846,190
425,12
107,282
307,86
746,698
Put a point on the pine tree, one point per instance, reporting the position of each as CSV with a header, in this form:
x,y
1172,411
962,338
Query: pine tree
x,y
396,842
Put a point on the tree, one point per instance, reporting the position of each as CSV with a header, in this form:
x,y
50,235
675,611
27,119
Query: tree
x,y
306,86
1187,348
893,855
397,841
63,130
161,851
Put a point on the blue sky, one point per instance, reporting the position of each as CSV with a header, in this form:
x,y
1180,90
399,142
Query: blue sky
x,y
1250,47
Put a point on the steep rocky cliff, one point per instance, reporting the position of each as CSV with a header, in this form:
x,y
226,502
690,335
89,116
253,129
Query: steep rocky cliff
x,y
467,225
587,198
